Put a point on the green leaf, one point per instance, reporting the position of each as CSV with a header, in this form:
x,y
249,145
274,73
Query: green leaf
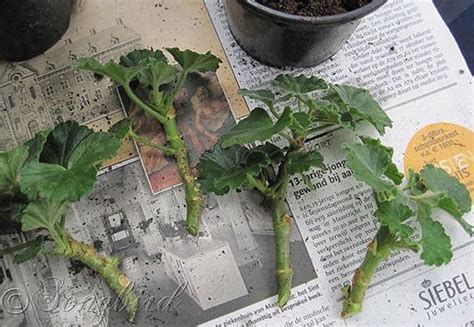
x,y
369,163
70,144
299,162
43,214
62,142
93,150
414,182
258,126
222,169
192,61
10,164
265,96
392,214
435,243
324,111
300,122
154,74
121,128
68,163
263,156
392,171
299,84
158,73
140,56
54,182
34,247
438,180
116,72
36,145
361,104
438,189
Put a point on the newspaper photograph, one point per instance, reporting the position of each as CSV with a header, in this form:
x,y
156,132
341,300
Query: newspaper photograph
x,y
204,115
403,53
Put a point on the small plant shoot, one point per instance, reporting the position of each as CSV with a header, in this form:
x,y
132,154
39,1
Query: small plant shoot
x,y
399,209
160,82
236,162
38,182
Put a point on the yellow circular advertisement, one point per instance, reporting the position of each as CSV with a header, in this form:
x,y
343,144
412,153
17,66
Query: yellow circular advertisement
x,y
448,146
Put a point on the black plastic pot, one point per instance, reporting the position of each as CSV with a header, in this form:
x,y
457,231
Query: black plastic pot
x,y
281,39
30,27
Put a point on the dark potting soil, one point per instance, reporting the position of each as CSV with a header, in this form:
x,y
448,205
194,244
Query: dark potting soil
x,y
314,7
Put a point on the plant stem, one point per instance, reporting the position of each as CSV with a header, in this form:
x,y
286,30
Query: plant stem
x,y
291,140
142,105
164,149
260,186
107,267
377,251
194,198
282,226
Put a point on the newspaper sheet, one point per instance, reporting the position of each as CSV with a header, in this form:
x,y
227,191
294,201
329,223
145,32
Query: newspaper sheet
x,y
406,56
403,53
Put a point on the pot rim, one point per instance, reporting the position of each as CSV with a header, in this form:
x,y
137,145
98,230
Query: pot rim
x,y
282,17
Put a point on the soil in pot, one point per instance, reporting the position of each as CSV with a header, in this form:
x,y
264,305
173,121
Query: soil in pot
x,y
314,8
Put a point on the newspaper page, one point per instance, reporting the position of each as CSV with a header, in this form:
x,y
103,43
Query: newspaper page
x,y
179,279
225,277
405,55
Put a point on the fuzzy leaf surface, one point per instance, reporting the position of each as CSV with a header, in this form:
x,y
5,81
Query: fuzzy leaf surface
x,y
360,103
299,162
369,163
258,126
223,169
299,84
448,193
393,214
392,171
435,243
265,96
